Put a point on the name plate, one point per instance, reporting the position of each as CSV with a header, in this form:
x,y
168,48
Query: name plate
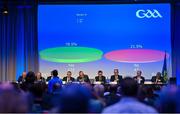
x,y
97,83
113,83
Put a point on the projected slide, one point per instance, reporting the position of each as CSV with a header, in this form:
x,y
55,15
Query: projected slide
x,y
92,37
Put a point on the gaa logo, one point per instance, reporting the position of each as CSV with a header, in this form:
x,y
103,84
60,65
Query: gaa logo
x,y
148,14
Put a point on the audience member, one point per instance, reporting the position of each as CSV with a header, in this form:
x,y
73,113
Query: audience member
x,y
129,103
168,101
37,90
112,97
30,77
74,98
130,96
54,82
12,101
146,95
29,81
97,102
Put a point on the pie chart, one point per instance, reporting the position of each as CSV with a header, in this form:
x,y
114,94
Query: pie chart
x,y
136,55
71,54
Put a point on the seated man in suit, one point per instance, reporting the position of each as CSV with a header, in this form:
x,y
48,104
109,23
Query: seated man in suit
x,y
69,77
100,77
82,77
116,77
22,78
39,77
139,78
157,79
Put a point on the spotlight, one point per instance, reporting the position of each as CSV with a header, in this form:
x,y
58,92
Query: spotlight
x,y
5,10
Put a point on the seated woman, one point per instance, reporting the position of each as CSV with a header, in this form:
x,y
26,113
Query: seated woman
x,y
39,78
82,77
157,79
69,77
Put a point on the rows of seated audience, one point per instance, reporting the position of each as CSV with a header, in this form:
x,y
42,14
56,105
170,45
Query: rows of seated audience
x,y
33,95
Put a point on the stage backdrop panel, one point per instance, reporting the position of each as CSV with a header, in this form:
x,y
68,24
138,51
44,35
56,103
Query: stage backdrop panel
x,y
92,37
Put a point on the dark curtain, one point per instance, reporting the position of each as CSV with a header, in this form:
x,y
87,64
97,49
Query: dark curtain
x,y
176,42
18,41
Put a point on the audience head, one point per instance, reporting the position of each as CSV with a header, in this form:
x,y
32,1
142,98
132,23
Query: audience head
x,y
129,87
55,73
74,98
100,73
12,101
38,89
113,88
168,100
30,77
88,86
142,93
99,90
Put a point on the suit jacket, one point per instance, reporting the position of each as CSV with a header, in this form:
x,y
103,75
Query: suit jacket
x,y
102,80
42,80
142,79
153,79
20,79
48,78
114,79
71,79
84,79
